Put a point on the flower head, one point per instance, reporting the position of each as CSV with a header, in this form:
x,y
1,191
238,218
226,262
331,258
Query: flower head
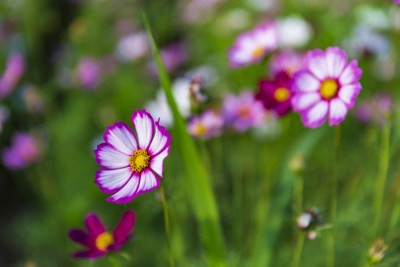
x,y
129,165
89,73
24,150
14,69
97,240
293,31
326,88
243,111
276,95
377,110
133,46
207,125
251,47
286,61
172,56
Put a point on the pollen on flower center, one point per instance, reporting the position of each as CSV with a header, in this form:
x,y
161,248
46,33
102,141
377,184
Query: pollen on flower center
x,y
104,240
258,52
329,89
281,94
140,160
200,129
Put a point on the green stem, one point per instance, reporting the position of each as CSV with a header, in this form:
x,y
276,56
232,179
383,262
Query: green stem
x,y
331,240
167,231
382,175
298,249
114,260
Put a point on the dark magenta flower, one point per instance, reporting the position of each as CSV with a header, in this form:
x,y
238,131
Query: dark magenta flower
x,y
276,95
97,240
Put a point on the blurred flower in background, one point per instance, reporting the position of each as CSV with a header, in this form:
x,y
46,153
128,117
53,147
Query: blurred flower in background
x,y
293,31
133,46
14,70
194,11
173,56
377,110
243,112
88,73
276,94
327,88
287,61
130,165
251,47
25,149
377,250
207,125
97,240
310,221
32,99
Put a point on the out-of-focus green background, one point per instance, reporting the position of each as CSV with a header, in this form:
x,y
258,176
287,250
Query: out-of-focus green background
x,y
41,203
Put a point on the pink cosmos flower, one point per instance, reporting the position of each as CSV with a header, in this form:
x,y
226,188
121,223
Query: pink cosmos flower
x,y
12,74
251,47
89,73
243,111
207,125
326,88
97,240
129,166
376,110
276,95
24,150
286,61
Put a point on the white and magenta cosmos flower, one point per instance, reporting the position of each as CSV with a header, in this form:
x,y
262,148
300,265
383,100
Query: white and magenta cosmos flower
x,y
327,88
251,47
243,111
97,240
207,125
130,166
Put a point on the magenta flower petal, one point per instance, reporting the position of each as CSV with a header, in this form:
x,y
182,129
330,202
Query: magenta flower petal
x,y
157,162
337,111
110,158
349,93
79,236
301,102
124,227
316,115
144,125
351,74
336,60
128,191
94,225
316,62
161,140
110,181
148,181
303,81
121,137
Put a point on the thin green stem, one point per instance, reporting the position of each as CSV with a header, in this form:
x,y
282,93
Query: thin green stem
x,y
166,221
382,175
334,198
114,260
298,250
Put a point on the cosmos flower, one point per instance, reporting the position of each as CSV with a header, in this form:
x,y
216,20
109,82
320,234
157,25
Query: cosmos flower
x,y
133,46
243,111
276,95
97,240
286,61
14,70
129,166
326,88
207,125
294,31
89,73
376,110
251,47
24,150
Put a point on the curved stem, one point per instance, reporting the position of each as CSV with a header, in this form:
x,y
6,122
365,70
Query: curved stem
x,y
298,249
166,221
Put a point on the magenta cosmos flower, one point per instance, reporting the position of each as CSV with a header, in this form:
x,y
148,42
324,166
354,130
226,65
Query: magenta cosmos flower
x,y
276,95
243,111
251,47
97,240
326,88
130,166
207,125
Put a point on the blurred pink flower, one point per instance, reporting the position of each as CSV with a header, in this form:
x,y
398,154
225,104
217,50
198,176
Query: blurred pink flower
x,y
207,125
375,110
24,150
133,46
243,111
198,10
97,240
173,56
326,88
130,165
14,70
276,95
286,61
251,47
89,73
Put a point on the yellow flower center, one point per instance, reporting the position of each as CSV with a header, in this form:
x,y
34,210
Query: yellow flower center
x,y
104,240
258,52
329,89
200,129
281,94
140,160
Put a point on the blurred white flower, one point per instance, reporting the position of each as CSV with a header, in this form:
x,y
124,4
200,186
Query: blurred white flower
x,y
133,46
374,17
294,31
